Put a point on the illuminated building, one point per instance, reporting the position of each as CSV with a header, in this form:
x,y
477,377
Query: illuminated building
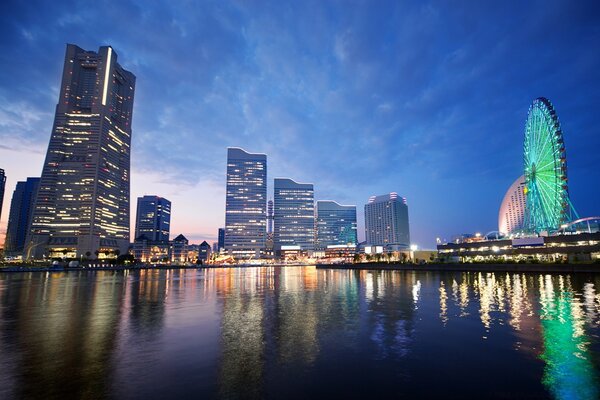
x,y
204,251
246,201
386,222
293,215
179,250
270,216
147,251
19,217
335,224
153,218
82,206
512,210
2,187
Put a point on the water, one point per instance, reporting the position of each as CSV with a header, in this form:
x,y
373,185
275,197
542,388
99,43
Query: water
x,y
298,332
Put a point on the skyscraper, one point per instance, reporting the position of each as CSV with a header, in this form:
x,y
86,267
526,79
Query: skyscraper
x,y
245,203
512,210
19,218
270,216
221,239
2,187
153,218
82,204
386,222
293,215
336,224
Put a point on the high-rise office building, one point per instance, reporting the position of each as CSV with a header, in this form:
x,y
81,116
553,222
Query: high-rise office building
x,y
220,240
270,216
2,188
335,223
293,215
386,222
245,204
19,218
512,210
82,206
153,218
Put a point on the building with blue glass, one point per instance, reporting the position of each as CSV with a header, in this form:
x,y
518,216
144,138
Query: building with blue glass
x,y
293,215
153,218
245,203
19,217
335,224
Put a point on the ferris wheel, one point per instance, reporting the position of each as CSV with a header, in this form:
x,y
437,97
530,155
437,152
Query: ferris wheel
x,y
546,191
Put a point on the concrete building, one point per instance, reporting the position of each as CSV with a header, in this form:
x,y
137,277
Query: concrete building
x,y
153,218
82,206
246,202
204,252
335,224
511,216
293,216
19,217
386,222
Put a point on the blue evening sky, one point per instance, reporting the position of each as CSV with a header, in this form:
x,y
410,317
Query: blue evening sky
x,y
427,99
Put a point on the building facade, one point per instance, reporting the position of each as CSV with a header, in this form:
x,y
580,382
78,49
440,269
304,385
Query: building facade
x,y
2,189
153,218
82,206
386,222
335,224
293,215
511,216
204,252
220,240
245,203
19,217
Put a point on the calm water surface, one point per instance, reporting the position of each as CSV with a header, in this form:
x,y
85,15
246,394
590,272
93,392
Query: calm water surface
x,y
298,332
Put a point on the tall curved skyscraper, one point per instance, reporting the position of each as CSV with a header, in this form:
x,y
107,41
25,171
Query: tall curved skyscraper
x,y
82,205
512,211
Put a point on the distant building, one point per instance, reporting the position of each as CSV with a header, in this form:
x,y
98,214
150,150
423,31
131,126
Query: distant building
x,y
82,206
2,188
215,247
386,222
511,216
336,224
145,250
246,202
270,216
179,250
293,215
221,240
153,218
19,218
204,252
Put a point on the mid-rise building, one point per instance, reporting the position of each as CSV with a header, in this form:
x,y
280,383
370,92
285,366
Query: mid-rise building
x,y
153,218
246,202
2,188
293,215
82,206
386,222
19,217
204,252
511,216
336,224
179,250
220,240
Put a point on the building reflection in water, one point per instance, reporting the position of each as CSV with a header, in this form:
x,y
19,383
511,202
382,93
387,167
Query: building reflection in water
x,y
550,324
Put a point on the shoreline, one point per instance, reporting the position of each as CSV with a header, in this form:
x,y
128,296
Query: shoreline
x,y
20,269
539,268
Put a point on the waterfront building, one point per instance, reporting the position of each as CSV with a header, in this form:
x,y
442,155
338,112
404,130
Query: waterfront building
x,y
179,250
270,216
386,222
2,188
19,217
153,218
145,250
335,224
246,201
512,210
204,252
293,216
220,240
82,206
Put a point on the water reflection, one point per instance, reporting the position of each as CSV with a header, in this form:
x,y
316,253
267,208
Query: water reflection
x,y
266,332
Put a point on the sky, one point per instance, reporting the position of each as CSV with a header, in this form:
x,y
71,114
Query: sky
x,y
361,98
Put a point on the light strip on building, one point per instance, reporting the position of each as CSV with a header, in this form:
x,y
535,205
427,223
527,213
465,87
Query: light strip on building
x,y
106,73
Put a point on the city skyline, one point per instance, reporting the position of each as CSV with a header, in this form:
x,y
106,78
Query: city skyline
x,y
433,138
